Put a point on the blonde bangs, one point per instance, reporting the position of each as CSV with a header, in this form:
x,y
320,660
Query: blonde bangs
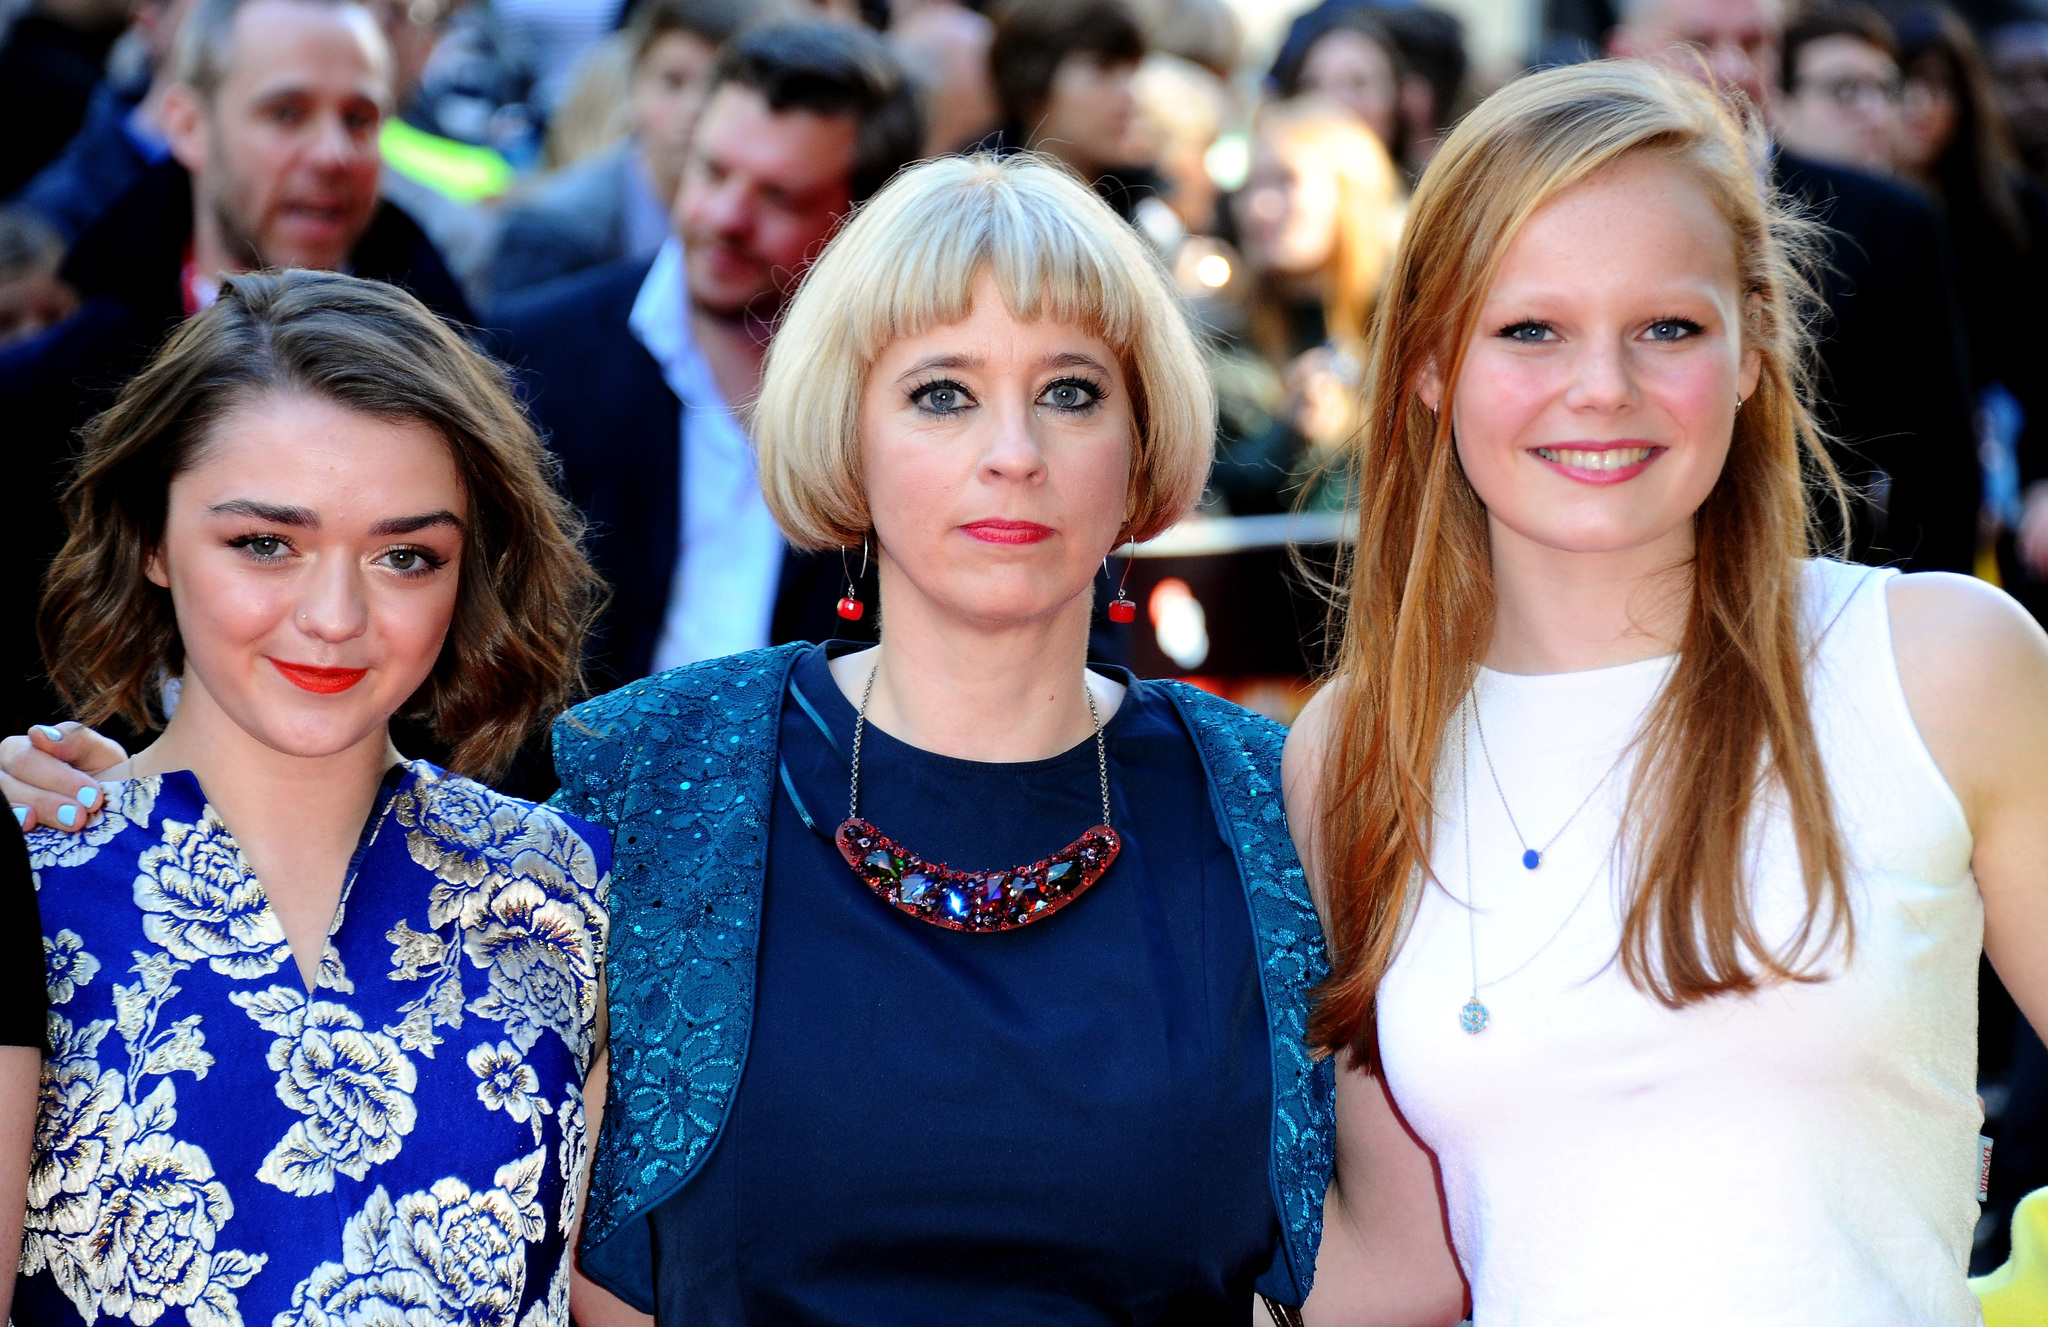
x,y
908,262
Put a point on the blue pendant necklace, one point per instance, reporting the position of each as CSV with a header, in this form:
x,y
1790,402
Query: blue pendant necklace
x,y
1533,857
1474,1015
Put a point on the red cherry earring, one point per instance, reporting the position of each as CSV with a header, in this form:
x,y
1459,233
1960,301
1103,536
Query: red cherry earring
x,y
851,608
1121,610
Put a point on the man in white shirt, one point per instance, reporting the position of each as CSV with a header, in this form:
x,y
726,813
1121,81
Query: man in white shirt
x,y
641,373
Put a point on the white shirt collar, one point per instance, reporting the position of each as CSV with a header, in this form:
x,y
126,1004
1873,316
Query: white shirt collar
x,y
660,321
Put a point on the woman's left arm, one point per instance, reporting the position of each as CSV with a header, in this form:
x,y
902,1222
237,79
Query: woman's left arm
x,y
1975,670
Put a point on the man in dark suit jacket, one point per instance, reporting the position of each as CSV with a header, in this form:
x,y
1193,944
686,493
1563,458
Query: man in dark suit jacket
x,y
1894,382
274,133
802,122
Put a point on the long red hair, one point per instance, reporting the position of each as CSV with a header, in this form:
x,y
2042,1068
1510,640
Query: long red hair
x,y
1732,724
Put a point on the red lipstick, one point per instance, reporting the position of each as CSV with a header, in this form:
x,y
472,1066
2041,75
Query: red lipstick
x,y
1008,532
322,681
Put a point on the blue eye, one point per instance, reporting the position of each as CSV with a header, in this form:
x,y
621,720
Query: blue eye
x,y
1528,333
1674,329
943,397
1071,394
262,547
412,561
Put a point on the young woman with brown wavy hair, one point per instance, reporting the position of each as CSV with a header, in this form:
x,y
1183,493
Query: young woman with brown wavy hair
x,y
1656,851
316,508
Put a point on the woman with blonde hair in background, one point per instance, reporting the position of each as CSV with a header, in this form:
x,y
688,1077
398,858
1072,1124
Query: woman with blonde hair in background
x,y
1317,219
1657,851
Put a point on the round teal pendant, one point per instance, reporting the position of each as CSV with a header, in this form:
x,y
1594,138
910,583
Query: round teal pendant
x,y
1473,1016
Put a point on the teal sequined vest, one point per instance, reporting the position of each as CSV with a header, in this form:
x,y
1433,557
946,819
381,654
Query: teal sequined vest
x,y
680,768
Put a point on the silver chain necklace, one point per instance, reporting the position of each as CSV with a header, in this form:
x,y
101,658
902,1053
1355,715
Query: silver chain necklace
x,y
1474,1016
860,725
1533,857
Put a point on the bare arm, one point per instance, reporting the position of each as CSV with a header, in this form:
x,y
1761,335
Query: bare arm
x,y
1386,1258
21,1071
590,1304
1975,671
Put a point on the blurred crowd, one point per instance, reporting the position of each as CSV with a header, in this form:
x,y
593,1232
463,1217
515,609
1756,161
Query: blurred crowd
x,y
619,197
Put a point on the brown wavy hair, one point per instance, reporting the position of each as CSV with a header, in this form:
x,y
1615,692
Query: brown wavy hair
x,y
526,596
1733,722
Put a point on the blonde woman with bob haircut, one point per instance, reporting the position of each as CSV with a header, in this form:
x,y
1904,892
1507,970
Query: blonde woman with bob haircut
x,y
957,980
1657,849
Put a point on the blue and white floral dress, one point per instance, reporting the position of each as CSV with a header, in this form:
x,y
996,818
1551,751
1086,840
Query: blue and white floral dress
x,y
397,1148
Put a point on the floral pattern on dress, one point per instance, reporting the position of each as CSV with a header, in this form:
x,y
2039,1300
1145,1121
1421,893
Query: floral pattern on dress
x,y
509,1083
443,1255
215,1141
124,1215
574,1153
353,1086
66,965
128,803
526,896
203,902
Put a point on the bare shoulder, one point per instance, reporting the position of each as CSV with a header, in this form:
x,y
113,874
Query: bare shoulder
x,y
1301,782
1963,636
1308,742
1974,667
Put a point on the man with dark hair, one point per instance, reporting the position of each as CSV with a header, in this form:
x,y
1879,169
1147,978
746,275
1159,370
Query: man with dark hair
x,y
1063,73
640,372
1842,89
272,124
615,204
1894,381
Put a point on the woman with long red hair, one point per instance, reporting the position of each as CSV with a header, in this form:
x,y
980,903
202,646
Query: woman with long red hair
x,y
1656,850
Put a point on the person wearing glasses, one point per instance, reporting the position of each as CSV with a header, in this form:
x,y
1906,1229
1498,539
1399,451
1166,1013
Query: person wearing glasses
x,y
1842,89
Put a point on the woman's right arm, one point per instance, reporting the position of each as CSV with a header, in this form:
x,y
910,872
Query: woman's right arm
x,y
1386,1258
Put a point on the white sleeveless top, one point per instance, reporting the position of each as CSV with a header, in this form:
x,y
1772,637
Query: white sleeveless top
x,y
1805,1156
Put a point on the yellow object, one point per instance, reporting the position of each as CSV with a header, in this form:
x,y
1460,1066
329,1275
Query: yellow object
x,y
462,171
2016,1295
1987,564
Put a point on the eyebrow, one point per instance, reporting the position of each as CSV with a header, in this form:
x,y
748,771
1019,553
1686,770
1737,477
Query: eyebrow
x,y
414,524
930,362
304,518
301,517
1065,359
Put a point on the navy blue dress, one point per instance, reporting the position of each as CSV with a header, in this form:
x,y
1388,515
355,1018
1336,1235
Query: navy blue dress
x,y
1077,1112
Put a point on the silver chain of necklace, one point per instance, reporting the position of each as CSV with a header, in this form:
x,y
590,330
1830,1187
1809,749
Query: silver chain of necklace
x,y
1483,1014
1479,726
860,724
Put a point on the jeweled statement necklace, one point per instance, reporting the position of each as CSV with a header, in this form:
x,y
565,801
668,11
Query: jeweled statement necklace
x,y
975,900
